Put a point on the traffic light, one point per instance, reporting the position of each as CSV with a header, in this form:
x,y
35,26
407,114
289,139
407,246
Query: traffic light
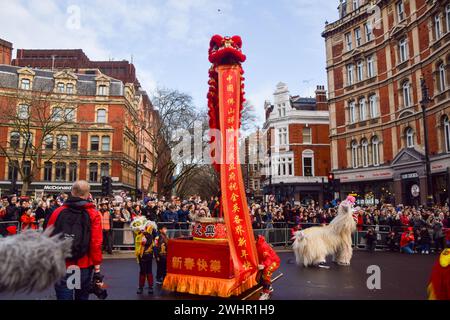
x,y
106,186
330,178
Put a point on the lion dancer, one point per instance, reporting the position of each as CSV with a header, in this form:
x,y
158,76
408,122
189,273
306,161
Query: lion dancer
x,y
439,287
269,262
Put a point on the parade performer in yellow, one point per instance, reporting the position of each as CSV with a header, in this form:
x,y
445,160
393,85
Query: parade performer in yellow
x,y
439,287
145,234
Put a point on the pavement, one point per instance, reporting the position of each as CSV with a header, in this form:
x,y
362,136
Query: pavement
x,y
402,277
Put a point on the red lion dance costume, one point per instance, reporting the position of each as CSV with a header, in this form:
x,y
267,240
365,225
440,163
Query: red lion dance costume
x,y
439,287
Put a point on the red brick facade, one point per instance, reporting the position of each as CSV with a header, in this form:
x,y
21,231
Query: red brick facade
x,y
5,52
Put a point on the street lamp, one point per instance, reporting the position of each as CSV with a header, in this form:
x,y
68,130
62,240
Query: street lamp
x,y
425,101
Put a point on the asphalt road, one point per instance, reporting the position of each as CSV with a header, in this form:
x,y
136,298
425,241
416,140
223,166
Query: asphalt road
x,y
402,277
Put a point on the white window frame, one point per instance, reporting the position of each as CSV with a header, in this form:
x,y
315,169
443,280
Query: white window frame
x,y
373,106
358,37
70,88
104,138
362,109
368,29
400,11
102,90
442,82
349,41
447,15
60,87
406,89
283,136
370,67
350,74
365,153
309,134
355,4
403,50
360,70
447,134
352,111
355,148
437,27
27,86
375,151
410,138
308,154
98,116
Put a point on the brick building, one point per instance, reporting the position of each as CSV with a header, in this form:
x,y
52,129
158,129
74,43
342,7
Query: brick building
x,y
298,149
5,52
253,164
106,134
377,53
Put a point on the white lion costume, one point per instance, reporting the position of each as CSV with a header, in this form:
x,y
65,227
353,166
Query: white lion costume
x,y
313,245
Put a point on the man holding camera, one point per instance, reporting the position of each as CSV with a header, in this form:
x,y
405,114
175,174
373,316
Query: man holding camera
x,y
79,220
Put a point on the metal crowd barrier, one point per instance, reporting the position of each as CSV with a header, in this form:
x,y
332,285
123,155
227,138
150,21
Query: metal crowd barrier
x,y
5,224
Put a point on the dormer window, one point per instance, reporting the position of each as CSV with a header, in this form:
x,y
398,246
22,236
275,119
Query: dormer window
x,y
60,87
25,84
102,90
69,88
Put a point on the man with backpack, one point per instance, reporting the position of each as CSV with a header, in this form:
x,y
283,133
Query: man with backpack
x,y
79,220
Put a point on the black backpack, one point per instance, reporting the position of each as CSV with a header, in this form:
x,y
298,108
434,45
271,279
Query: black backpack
x,y
76,225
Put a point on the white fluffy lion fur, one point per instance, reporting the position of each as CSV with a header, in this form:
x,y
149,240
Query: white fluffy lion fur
x,y
313,245
32,261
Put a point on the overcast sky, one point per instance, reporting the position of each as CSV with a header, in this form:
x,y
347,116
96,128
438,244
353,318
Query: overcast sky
x,y
169,39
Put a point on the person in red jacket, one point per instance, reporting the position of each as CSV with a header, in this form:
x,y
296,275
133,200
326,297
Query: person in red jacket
x,y
28,220
407,241
269,262
89,264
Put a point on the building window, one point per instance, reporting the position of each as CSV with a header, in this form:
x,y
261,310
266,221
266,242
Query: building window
x,y
13,170
350,74
365,153
48,166
26,168
74,142
358,37
23,112
355,4
25,84
373,106
60,87
362,109
27,140
104,170
308,163
106,142
60,171
355,154
69,88
368,28
447,134
437,27
375,151
403,50
102,90
409,138
307,137
61,142
442,82
348,41
370,67
69,114
57,114
360,70
14,140
95,143
400,11
48,142
352,111
447,15
282,136
406,94
93,172
101,116
73,171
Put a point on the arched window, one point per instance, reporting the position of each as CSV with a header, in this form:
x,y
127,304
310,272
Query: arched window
x,y
308,163
73,171
442,82
362,109
373,106
93,172
406,88
14,140
375,151
352,111
446,127
101,116
60,171
409,138
365,153
355,148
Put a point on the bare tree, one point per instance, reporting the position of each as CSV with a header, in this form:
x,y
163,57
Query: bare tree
x,y
33,117
248,117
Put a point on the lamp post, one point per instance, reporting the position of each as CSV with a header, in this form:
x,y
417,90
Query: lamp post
x,y
425,101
